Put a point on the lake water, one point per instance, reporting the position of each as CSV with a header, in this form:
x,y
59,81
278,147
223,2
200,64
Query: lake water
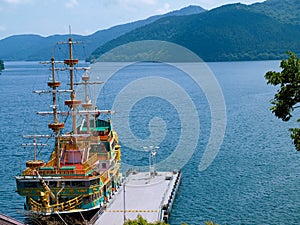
x,y
254,178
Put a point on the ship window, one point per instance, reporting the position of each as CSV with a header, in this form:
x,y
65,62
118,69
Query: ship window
x,y
19,184
29,184
87,184
78,184
104,165
74,156
94,149
67,183
53,184
94,182
102,147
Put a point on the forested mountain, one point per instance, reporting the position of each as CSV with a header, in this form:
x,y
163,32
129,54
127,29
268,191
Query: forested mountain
x,y
285,11
233,32
35,47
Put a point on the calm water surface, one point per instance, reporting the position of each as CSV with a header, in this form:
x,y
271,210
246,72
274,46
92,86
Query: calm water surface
x,y
253,180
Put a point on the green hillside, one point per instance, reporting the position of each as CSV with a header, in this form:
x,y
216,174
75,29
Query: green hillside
x,y
35,47
285,11
231,32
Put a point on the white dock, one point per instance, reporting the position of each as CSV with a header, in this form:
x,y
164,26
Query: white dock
x,y
151,197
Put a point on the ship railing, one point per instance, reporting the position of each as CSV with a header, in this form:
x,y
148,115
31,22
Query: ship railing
x,y
49,168
70,172
28,171
104,177
51,162
90,162
115,169
64,206
75,173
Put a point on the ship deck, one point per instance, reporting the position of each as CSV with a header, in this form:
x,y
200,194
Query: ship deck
x,y
142,195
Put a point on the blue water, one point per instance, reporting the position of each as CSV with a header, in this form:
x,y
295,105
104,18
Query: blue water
x,y
253,180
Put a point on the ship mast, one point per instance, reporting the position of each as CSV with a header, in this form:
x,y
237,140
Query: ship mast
x,y
88,104
56,126
73,103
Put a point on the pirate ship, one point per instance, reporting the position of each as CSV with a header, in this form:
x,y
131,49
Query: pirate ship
x,y
83,170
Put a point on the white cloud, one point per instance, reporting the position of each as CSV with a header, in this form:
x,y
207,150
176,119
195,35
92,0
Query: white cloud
x,y
166,8
71,4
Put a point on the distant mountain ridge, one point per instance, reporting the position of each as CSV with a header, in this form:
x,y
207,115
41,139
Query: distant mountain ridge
x,y
261,31
35,47
232,32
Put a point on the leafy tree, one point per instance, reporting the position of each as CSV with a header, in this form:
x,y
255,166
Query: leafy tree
x,y
287,98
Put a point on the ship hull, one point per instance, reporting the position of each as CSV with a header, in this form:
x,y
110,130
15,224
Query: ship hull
x,y
70,197
80,217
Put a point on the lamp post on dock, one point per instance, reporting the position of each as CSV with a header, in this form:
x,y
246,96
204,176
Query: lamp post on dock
x,y
152,154
124,202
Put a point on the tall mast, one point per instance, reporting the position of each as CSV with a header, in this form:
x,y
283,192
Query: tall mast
x,y
88,104
73,103
56,126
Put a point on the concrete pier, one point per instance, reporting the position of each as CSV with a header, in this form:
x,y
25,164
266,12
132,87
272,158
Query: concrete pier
x,y
141,194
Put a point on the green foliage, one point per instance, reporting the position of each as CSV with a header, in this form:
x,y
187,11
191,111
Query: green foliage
x,y
296,137
141,221
278,9
287,98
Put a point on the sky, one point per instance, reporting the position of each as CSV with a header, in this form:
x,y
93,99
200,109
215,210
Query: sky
x,y
48,17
